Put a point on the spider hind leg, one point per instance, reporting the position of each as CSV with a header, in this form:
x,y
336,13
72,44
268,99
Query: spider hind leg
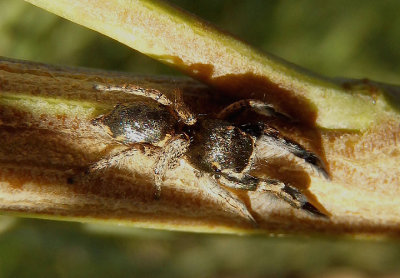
x,y
179,106
168,159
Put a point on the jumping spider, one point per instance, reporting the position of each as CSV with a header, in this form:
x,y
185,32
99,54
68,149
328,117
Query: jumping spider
x,y
214,146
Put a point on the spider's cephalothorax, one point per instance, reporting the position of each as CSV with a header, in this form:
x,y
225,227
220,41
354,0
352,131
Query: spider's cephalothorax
x,y
217,146
213,146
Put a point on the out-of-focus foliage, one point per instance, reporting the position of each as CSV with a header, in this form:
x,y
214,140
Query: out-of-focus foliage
x,y
37,248
358,38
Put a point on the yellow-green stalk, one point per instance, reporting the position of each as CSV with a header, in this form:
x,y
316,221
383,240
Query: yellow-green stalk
x,y
179,39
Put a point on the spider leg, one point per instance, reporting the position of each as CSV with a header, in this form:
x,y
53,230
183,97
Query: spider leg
x,y
135,90
107,162
258,106
182,110
272,137
281,190
179,106
168,159
228,198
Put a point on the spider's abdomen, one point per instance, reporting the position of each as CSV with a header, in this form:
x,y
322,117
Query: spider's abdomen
x,y
140,122
217,145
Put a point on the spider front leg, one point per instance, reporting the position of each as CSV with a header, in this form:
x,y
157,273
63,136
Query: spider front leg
x,y
274,139
258,106
270,135
283,191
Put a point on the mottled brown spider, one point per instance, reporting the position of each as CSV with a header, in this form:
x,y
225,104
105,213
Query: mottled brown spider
x,y
214,146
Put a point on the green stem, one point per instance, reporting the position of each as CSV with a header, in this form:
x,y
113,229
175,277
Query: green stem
x,y
200,50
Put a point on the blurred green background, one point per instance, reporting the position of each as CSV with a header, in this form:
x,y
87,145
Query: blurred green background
x,y
356,38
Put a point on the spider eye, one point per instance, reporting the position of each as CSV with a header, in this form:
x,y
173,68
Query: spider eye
x,y
216,170
216,167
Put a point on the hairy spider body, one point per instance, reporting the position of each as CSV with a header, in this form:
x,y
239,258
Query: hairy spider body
x,y
140,122
213,146
219,147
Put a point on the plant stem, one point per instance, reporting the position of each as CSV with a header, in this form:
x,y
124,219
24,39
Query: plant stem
x,y
47,140
221,61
